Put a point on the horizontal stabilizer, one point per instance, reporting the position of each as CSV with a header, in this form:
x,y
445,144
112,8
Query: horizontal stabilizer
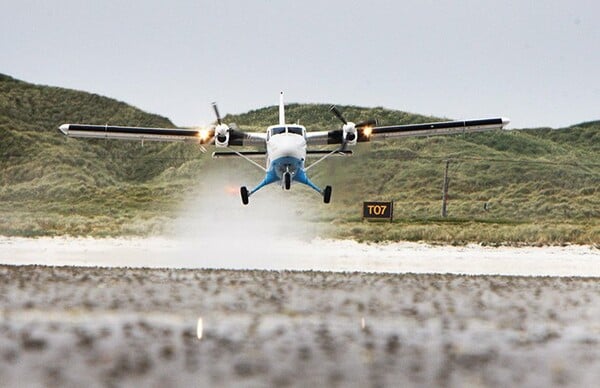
x,y
231,154
262,154
327,152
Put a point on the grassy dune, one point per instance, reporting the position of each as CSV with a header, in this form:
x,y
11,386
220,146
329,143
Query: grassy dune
x,y
540,186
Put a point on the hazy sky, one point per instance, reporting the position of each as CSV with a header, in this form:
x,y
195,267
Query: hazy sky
x,y
537,62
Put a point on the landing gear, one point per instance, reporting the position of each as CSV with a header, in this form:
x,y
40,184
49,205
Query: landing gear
x,y
287,180
244,193
327,194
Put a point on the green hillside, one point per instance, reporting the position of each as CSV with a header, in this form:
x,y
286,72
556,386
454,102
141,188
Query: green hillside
x,y
53,185
539,186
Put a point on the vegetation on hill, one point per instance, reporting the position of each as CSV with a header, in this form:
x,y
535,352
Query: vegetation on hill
x,y
53,185
539,186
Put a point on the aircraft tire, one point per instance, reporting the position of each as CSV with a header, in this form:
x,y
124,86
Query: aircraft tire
x,y
287,180
244,194
327,194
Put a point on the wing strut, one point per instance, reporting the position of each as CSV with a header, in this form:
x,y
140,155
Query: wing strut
x,y
241,155
336,151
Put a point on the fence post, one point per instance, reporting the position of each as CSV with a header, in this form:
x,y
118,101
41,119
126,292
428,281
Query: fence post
x,y
445,191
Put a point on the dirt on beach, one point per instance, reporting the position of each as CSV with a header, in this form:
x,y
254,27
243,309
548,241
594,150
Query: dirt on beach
x,y
75,326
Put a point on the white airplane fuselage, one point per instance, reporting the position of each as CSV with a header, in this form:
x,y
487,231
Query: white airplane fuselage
x,y
286,156
285,150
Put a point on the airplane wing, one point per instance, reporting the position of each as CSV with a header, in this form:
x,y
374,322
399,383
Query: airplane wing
x,y
367,133
199,136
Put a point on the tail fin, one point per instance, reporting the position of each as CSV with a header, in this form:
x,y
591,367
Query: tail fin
x,y
281,110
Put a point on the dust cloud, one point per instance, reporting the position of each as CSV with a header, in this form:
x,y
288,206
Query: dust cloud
x,y
214,225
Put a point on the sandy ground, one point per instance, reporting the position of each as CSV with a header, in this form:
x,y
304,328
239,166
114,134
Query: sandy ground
x,y
86,326
282,312
285,253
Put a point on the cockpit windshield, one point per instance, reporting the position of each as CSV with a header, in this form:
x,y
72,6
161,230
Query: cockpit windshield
x,y
277,130
280,130
295,130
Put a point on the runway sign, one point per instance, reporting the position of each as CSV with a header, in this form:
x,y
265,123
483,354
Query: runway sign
x,y
378,210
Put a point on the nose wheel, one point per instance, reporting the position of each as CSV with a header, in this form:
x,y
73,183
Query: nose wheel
x,y
287,180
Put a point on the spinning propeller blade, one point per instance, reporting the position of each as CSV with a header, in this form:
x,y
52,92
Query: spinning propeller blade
x,y
338,114
214,105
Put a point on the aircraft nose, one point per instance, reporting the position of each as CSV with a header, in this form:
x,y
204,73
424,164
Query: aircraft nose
x,y
64,129
292,144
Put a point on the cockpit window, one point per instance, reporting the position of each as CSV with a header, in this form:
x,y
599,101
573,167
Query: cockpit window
x,y
296,130
280,130
277,130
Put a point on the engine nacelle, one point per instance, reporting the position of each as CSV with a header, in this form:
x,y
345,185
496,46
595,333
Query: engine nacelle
x,y
350,135
222,136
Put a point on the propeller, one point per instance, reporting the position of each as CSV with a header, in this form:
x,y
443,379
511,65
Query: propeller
x,y
338,114
362,124
364,127
222,130
216,109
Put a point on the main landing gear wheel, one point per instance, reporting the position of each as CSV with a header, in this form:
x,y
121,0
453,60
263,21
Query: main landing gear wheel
x,y
244,193
287,180
327,194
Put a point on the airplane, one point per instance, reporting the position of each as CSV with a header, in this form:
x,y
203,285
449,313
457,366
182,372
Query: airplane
x,y
284,145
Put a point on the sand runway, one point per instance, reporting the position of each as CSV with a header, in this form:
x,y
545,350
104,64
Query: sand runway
x,y
74,326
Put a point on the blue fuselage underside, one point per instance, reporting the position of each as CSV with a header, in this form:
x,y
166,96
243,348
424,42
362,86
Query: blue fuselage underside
x,y
286,163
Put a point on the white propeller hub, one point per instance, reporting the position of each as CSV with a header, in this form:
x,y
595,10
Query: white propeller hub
x,y
350,127
350,133
221,130
222,135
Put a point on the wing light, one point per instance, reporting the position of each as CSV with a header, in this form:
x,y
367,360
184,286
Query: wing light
x,y
204,134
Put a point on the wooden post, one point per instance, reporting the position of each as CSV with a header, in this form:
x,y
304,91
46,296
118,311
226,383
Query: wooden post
x,y
445,191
